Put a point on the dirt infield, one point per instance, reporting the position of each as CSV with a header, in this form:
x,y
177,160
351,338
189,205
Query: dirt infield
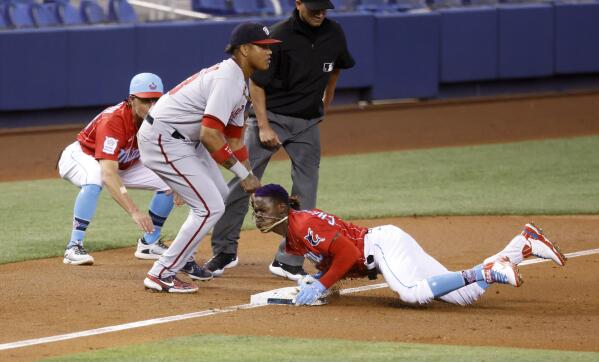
x,y
556,308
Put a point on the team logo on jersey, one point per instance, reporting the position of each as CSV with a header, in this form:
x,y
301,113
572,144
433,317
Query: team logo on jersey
x,y
129,155
236,112
313,257
110,145
266,31
312,238
328,67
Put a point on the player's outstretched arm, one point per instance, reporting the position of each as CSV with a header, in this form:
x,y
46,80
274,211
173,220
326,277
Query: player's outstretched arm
x,y
112,181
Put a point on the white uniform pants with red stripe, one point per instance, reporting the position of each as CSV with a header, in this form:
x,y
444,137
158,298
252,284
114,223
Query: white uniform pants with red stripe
x,y
190,171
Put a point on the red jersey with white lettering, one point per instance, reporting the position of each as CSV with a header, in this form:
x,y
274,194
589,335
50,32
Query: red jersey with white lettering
x,y
112,136
311,232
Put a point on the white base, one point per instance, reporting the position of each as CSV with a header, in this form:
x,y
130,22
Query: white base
x,y
280,296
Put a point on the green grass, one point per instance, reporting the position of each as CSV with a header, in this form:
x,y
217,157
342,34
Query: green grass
x,y
233,348
541,177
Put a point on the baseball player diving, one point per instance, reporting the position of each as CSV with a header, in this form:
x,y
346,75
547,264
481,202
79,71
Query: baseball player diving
x,y
106,154
191,130
341,249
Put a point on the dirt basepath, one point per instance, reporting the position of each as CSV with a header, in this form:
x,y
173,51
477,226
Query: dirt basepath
x,y
556,308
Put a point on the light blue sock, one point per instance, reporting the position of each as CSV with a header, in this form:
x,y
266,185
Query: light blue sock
x,y
83,212
445,283
160,207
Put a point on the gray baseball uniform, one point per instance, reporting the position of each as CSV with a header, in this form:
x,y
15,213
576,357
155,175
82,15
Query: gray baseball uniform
x,y
169,145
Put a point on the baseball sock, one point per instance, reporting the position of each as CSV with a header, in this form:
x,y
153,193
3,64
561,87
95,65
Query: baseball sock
x,y
160,207
445,283
84,210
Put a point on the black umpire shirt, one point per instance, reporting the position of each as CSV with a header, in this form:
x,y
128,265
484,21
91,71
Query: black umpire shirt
x,y
301,66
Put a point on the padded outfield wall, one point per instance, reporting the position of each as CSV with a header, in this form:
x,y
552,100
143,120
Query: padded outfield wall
x,y
403,55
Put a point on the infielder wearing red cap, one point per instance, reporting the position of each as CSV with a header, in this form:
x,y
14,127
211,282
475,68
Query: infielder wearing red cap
x,y
341,249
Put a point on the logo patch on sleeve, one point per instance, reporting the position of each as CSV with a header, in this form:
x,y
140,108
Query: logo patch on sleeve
x,y
110,145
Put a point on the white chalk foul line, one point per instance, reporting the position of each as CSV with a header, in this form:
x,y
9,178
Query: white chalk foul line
x,y
206,313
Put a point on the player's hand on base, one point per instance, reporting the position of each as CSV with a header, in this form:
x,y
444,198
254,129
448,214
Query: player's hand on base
x,y
250,184
143,221
309,293
268,137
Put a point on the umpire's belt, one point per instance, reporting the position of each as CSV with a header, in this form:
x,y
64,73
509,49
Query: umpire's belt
x,y
175,134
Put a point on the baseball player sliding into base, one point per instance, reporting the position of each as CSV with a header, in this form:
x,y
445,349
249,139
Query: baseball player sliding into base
x,y
340,249
188,133
106,155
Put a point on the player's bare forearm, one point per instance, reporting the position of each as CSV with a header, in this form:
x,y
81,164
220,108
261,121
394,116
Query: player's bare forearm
x,y
329,92
112,182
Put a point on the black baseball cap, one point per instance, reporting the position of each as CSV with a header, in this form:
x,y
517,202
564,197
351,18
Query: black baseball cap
x,y
318,4
254,33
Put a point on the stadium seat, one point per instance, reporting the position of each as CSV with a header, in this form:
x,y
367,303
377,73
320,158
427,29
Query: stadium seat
x,y
18,14
3,21
68,14
343,5
92,12
44,15
121,11
379,6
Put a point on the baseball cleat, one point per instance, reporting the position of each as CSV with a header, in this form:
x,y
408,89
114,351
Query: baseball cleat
x,y
196,272
291,272
77,255
170,284
502,271
221,261
540,246
150,251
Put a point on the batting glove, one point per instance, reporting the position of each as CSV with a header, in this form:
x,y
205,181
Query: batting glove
x,y
309,293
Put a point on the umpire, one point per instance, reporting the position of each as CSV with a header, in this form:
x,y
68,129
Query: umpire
x,y
289,100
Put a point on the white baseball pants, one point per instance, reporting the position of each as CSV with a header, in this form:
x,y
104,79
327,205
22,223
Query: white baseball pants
x,y
81,169
406,266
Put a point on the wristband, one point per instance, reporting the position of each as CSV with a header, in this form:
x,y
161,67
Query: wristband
x,y
239,170
232,131
241,154
222,154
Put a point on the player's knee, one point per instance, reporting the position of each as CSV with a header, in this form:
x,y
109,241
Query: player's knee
x,y
419,294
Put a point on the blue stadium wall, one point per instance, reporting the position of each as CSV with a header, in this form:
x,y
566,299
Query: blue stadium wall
x,y
398,55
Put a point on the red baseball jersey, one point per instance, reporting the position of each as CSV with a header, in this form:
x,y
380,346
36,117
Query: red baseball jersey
x,y
112,136
310,233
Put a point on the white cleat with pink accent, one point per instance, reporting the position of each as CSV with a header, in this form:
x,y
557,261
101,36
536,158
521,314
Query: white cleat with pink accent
x,y
539,246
